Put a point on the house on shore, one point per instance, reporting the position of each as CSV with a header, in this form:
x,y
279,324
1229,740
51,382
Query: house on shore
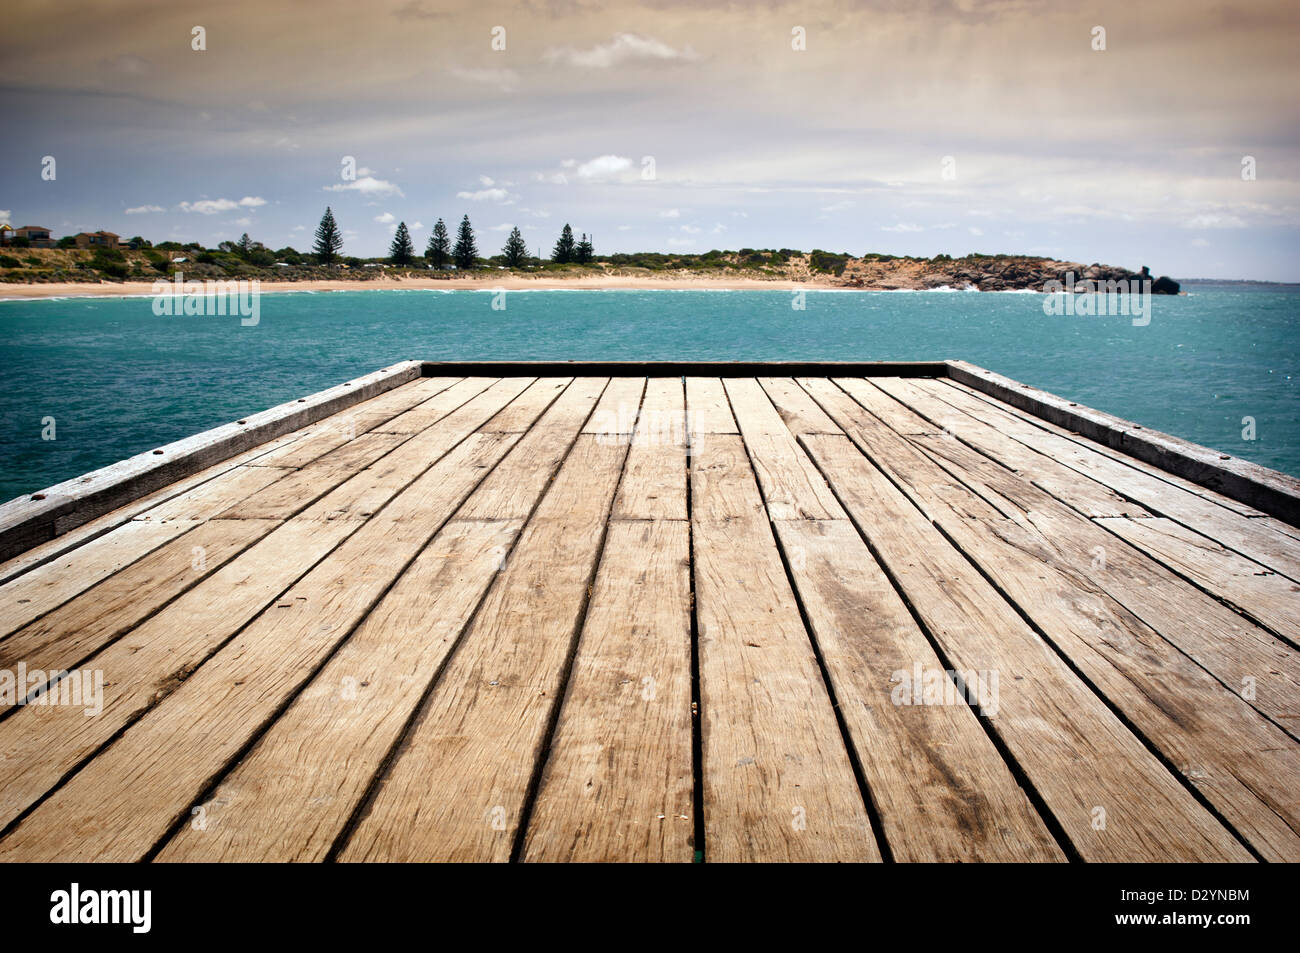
x,y
96,239
38,236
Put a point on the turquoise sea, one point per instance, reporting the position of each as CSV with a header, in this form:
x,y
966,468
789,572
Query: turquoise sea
x,y
118,380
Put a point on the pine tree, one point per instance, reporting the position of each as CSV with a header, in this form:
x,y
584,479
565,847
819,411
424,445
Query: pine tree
x,y
328,240
466,252
244,245
564,248
439,249
584,252
515,250
402,252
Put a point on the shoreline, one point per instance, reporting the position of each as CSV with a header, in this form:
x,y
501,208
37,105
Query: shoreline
x,y
123,289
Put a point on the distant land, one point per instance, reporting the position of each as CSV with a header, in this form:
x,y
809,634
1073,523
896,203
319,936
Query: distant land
x,y
42,272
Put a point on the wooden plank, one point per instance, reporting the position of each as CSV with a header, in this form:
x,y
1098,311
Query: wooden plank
x,y
512,492
522,412
99,526
1275,493
1084,494
143,669
456,790
707,409
940,787
792,486
27,521
1269,599
337,429
654,477
299,488
421,418
200,497
798,411
1252,537
1220,640
1077,754
179,747
616,413
387,670
778,782
618,783
942,385
62,639
722,481
358,703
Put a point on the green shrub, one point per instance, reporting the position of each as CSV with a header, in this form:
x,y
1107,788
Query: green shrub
x,y
9,261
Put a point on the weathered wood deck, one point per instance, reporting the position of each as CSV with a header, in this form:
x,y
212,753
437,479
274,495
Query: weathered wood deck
x,y
661,619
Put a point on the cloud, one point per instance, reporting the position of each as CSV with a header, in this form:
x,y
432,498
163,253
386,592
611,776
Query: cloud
x,y
485,195
670,213
602,167
1200,243
137,210
1212,220
719,228
625,228
902,227
486,181
504,227
691,229
385,218
215,206
975,231
506,80
415,226
681,241
622,48
367,185
245,221
838,206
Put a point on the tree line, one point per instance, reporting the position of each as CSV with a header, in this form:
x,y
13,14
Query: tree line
x,y
441,251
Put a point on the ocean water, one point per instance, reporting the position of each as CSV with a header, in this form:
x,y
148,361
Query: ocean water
x,y
118,379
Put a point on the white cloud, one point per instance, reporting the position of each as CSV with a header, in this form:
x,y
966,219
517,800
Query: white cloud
x,y
1212,220
298,228
719,228
975,231
690,229
902,227
214,206
670,213
681,241
245,221
366,185
1200,243
385,219
505,80
137,210
620,49
625,228
485,195
415,226
505,227
603,167
5,214
838,206
486,181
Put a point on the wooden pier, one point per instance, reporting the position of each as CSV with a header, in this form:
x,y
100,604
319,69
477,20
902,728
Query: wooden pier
x,y
910,612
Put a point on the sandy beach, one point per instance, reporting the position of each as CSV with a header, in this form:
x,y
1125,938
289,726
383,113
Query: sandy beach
x,y
508,283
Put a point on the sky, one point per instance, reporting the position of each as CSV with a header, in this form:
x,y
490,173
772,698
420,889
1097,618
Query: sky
x,y
1165,134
